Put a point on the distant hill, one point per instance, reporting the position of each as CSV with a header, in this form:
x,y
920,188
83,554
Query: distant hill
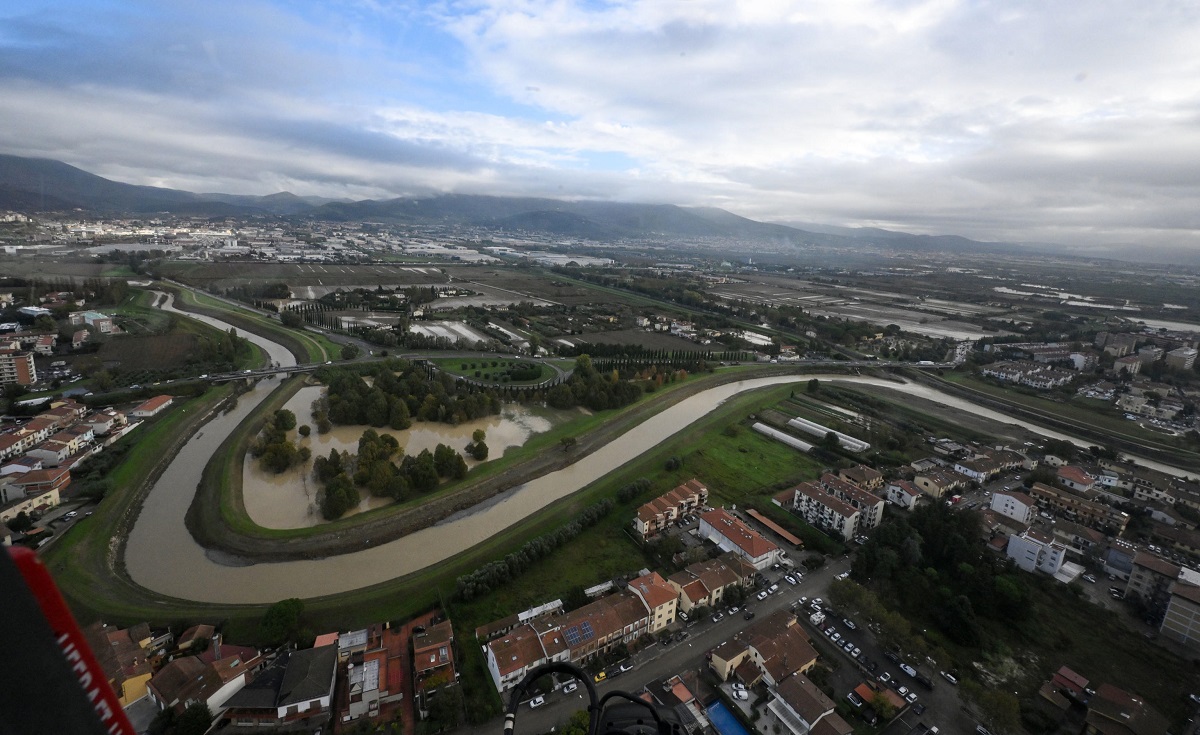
x,y
38,184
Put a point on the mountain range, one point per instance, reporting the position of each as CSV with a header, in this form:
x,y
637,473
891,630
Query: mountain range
x,y
44,185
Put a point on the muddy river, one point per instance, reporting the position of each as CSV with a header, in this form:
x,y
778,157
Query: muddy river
x,y
161,555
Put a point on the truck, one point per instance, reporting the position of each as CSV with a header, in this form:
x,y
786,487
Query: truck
x,y
817,618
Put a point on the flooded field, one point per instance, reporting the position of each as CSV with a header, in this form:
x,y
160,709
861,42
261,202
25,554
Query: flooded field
x,y
289,499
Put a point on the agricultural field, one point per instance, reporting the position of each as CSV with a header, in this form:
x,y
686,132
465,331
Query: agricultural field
x,y
531,285
648,340
321,278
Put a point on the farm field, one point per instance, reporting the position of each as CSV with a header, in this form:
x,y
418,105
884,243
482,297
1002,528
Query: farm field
x,y
220,276
649,340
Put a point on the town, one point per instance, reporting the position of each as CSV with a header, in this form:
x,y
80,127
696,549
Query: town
x,y
744,587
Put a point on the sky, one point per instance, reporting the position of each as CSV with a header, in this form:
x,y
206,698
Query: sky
x,y
1047,121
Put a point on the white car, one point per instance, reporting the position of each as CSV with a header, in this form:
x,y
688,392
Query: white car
x,y
789,579
742,695
738,686
949,677
885,677
773,589
912,697
762,595
537,701
843,575
908,669
570,686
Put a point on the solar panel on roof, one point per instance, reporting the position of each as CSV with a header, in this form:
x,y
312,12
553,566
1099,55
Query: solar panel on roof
x,y
588,633
572,636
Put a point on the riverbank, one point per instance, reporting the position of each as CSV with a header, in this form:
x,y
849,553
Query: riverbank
x,y
218,521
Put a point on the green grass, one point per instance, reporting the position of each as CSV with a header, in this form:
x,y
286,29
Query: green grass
x,y
467,367
308,347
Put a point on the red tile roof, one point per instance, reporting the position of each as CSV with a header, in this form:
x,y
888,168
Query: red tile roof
x,y
738,533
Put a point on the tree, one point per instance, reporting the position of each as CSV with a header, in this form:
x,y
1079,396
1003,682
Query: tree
x,y
21,523
291,319
45,323
305,429
284,420
830,440
814,385
568,443
195,720
281,622
349,352
1001,710
445,712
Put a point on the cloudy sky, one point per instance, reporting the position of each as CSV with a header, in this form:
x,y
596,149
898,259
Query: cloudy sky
x,y
1061,121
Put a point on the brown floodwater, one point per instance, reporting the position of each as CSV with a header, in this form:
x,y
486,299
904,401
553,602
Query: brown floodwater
x,y
289,499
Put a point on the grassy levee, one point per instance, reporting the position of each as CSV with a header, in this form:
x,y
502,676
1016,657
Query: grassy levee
x,y
88,562
218,517
1066,418
307,348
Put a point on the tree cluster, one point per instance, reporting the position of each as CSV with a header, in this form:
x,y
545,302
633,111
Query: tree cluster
x,y
590,388
498,573
382,468
934,564
400,391
272,447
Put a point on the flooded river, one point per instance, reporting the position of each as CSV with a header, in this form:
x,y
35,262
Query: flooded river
x,y
161,555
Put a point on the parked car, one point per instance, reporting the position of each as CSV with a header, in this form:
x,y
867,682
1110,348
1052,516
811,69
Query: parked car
x,y
741,696
949,677
843,575
854,699
762,595
911,697
718,617
749,615
885,677
600,677
570,687
738,686
626,666
918,710
537,701
773,589
849,624
908,669
1090,579
789,579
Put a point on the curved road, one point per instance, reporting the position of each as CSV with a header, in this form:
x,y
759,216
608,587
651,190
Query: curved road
x,y
161,554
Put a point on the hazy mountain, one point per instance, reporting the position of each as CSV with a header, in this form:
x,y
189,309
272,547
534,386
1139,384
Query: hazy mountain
x,y
37,184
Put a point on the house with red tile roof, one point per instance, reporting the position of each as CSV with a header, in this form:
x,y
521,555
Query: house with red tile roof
x,y
902,493
706,582
1075,478
152,407
666,509
805,710
660,598
433,657
1114,711
868,478
731,534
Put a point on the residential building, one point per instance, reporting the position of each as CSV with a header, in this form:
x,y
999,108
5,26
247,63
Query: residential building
x,y
1150,579
979,469
209,680
937,481
731,534
100,322
770,650
1067,680
903,493
868,478
125,663
1131,364
805,710
1016,505
1075,478
822,510
16,501
1079,508
705,583
296,689
1036,551
1081,542
1182,358
868,505
152,407
1113,711
433,658
660,598
666,509
577,636
1181,623
17,368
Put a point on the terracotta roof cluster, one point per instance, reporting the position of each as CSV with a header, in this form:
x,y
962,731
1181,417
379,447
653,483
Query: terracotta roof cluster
x,y
699,580
690,494
654,590
849,492
1114,711
739,534
1076,475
